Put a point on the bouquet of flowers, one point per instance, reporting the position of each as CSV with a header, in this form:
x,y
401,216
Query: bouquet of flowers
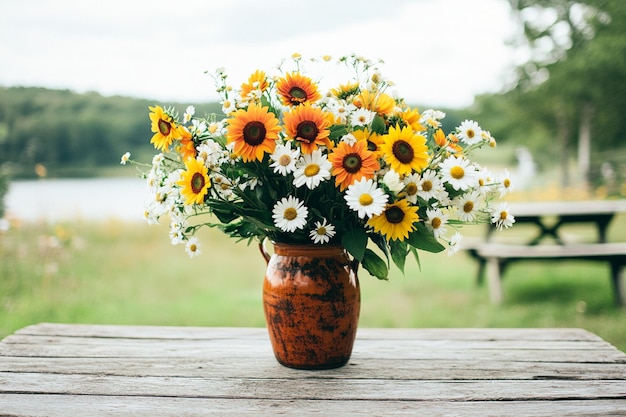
x,y
352,166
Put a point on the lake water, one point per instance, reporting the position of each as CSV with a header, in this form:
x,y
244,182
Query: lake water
x,y
56,200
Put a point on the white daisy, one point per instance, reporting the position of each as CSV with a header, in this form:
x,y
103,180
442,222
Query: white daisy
x,y
501,216
125,158
284,159
366,198
323,232
362,117
411,187
228,106
189,112
468,205
392,180
485,182
432,118
429,185
349,139
192,247
504,183
437,222
454,244
290,214
312,169
469,132
458,172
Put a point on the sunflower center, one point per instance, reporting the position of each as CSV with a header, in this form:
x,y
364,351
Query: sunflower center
x,y
371,146
427,185
436,223
297,94
411,189
403,151
365,199
311,170
164,127
468,207
307,131
284,160
197,182
290,213
457,172
352,163
254,133
394,215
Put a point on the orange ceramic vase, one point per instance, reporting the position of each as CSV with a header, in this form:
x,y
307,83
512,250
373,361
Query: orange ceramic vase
x,y
312,300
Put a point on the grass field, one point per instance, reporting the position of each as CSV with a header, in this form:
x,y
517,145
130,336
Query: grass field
x,y
128,273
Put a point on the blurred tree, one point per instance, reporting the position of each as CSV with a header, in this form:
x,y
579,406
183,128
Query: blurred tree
x,y
575,74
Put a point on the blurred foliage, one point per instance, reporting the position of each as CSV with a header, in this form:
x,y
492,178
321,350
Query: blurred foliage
x,y
59,132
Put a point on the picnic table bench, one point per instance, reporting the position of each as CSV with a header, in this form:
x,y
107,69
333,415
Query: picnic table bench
x,y
60,370
493,257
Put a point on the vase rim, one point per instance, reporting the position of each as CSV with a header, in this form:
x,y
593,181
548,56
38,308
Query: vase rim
x,y
304,249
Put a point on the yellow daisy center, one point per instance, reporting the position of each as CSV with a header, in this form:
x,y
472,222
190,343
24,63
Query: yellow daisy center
x,y
468,206
290,213
507,183
470,133
457,172
284,160
427,185
411,189
321,230
311,170
193,247
365,199
436,223
503,215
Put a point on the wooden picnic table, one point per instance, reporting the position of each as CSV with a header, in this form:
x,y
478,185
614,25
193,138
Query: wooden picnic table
x,y
550,216
105,370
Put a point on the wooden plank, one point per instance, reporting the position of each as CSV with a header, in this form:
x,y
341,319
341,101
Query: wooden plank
x,y
174,332
261,366
107,406
355,389
548,208
502,250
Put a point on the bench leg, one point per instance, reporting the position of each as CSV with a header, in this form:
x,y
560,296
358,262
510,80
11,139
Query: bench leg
x,y
494,279
617,280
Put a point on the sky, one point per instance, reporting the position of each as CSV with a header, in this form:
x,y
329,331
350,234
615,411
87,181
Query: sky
x,y
438,53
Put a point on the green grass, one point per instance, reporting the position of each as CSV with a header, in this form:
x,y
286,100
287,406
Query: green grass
x,y
120,273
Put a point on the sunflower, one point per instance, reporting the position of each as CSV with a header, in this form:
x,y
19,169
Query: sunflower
x,y
187,149
309,126
345,91
256,82
352,162
396,221
411,117
374,140
254,132
380,103
405,150
295,89
194,181
165,128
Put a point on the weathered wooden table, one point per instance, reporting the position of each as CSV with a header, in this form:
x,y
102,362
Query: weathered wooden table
x,y
90,370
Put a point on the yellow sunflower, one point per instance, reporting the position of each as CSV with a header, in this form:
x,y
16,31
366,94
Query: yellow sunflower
x,y
405,150
412,118
380,103
257,81
194,181
309,126
397,221
254,132
345,90
165,128
351,163
374,140
295,89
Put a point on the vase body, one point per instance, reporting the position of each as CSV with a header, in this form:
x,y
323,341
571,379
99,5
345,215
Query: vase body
x,y
312,300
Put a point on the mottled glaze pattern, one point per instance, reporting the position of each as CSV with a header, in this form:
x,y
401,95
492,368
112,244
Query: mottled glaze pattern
x,y
312,300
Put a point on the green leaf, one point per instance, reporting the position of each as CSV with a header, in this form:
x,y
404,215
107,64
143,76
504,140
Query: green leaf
x,y
355,242
423,239
337,132
375,265
378,125
398,253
